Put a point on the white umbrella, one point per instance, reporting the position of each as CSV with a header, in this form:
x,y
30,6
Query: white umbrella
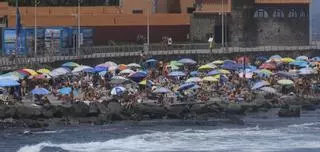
x,y
268,89
58,72
118,90
118,80
81,68
134,65
110,63
126,71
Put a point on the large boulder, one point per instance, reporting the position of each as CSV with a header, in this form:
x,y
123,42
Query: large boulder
x,y
80,109
7,111
113,111
49,111
289,111
154,111
234,108
29,112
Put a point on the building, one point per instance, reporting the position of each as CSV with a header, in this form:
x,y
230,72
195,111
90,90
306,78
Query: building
x,y
246,22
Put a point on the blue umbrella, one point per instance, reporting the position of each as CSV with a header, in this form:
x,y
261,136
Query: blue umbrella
x,y
40,91
194,73
259,85
229,62
102,73
214,72
317,58
8,83
302,58
161,90
299,63
100,69
118,90
261,58
65,90
287,74
151,60
138,76
187,61
177,74
231,66
186,86
70,64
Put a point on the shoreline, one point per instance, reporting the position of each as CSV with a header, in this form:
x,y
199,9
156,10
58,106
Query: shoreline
x,y
96,113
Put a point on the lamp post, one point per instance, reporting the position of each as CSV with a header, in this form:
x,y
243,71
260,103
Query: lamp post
x,y
35,28
78,17
222,22
148,24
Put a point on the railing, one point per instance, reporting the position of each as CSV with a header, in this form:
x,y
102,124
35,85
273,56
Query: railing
x,y
135,50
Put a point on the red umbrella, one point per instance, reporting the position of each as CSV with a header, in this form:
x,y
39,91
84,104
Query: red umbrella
x,y
243,59
269,66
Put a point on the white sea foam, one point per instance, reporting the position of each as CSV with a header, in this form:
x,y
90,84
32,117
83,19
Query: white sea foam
x,y
241,140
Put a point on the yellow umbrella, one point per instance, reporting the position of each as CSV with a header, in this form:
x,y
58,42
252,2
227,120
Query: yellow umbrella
x,y
266,71
143,82
287,60
218,62
217,76
223,71
30,71
43,71
207,67
210,79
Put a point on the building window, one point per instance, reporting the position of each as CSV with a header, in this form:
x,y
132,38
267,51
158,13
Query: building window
x,y
293,13
303,13
261,13
278,13
137,11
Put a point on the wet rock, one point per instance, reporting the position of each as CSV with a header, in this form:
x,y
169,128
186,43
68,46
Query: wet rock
x,y
33,123
79,109
154,111
235,109
49,111
30,112
289,111
113,111
176,111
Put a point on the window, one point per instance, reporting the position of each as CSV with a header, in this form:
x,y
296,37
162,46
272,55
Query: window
x,y
293,13
278,13
303,13
137,11
190,10
261,13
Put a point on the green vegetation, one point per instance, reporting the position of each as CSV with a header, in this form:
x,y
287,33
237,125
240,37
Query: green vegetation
x,y
64,2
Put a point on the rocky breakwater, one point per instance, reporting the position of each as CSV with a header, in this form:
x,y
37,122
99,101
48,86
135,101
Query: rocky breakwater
x,y
21,115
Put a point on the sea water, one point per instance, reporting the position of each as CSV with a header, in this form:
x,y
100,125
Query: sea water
x,y
257,135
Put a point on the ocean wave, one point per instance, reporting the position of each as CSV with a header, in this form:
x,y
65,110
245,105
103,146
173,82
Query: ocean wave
x,y
244,139
314,125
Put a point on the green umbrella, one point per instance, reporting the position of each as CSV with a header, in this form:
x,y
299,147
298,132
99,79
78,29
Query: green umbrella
x,y
285,82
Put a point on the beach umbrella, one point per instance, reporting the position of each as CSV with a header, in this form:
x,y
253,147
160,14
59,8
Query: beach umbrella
x,y
70,64
176,63
102,73
194,79
315,59
146,82
217,62
206,67
299,63
13,77
118,90
161,90
122,67
287,74
173,67
6,82
302,58
30,72
118,80
223,71
210,79
306,71
177,74
187,61
285,82
65,91
275,57
186,86
15,74
194,73
287,60
260,84
43,71
112,68
126,71
247,75
100,69
134,65
40,91
195,87
42,76
110,63
229,62
138,76
151,61
269,66
231,66
214,72
265,71
268,89
81,69
261,58
102,65
59,71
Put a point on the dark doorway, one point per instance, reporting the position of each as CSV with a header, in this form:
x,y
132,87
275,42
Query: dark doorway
x,y
218,34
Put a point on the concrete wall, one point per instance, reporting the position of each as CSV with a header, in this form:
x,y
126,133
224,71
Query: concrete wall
x,y
203,24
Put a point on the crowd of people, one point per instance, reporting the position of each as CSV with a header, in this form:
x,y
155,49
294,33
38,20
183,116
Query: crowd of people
x,y
168,82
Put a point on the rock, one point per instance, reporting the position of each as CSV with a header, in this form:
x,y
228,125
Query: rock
x,y
154,111
235,109
33,123
309,107
79,109
289,111
28,112
113,111
93,109
177,111
49,111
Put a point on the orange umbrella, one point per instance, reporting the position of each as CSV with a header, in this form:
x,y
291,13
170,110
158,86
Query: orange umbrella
x,y
122,67
29,71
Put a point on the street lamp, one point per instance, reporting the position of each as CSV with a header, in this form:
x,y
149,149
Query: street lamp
x,y
148,24
78,17
35,27
222,22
